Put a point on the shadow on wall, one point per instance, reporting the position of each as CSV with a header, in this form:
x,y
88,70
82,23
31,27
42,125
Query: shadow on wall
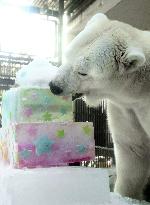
x,y
135,12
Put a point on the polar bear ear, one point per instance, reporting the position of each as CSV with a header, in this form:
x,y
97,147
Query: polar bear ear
x,y
98,18
132,60
87,35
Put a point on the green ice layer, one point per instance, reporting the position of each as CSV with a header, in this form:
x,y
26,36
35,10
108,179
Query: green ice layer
x,y
34,105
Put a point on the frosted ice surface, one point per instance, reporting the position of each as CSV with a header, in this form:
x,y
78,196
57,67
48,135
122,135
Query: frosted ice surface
x,y
37,74
116,199
58,186
54,186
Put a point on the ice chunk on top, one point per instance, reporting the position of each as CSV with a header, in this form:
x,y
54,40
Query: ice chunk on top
x,y
37,74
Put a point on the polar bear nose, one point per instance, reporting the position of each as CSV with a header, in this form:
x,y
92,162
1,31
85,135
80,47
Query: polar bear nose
x,y
55,89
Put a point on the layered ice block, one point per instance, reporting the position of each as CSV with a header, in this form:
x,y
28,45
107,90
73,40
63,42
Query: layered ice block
x,y
50,144
34,105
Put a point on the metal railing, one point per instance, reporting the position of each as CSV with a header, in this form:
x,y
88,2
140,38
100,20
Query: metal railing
x,y
10,63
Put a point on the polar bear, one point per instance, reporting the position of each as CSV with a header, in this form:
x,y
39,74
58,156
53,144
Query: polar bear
x,y
111,60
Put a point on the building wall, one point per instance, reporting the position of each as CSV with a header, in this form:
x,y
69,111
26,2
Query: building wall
x,y
78,24
134,12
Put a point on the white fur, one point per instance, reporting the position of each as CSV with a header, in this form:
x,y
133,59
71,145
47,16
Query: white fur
x,y
116,58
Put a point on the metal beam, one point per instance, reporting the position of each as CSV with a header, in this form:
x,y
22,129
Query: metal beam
x,y
60,30
38,10
77,7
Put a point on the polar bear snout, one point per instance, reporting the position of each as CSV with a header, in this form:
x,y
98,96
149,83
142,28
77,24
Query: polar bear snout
x,y
56,90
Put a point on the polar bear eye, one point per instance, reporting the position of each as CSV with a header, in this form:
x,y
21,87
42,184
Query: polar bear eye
x,y
83,74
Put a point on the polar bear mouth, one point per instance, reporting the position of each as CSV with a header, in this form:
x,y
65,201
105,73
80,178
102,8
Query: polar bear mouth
x,y
77,95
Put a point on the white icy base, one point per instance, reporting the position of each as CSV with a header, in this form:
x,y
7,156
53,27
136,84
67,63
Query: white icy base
x,y
54,186
116,199
58,186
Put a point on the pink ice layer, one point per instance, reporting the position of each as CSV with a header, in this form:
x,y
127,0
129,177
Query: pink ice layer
x,y
50,144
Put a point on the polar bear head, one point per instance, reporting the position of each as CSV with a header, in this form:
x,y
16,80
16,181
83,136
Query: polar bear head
x,y
105,60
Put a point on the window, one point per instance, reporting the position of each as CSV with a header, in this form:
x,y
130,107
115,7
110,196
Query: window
x,y
27,33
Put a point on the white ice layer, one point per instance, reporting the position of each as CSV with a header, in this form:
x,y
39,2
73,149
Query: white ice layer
x,y
37,74
116,199
58,186
54,186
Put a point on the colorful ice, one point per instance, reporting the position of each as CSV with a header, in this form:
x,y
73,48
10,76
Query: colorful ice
x,y
50,144
34,105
